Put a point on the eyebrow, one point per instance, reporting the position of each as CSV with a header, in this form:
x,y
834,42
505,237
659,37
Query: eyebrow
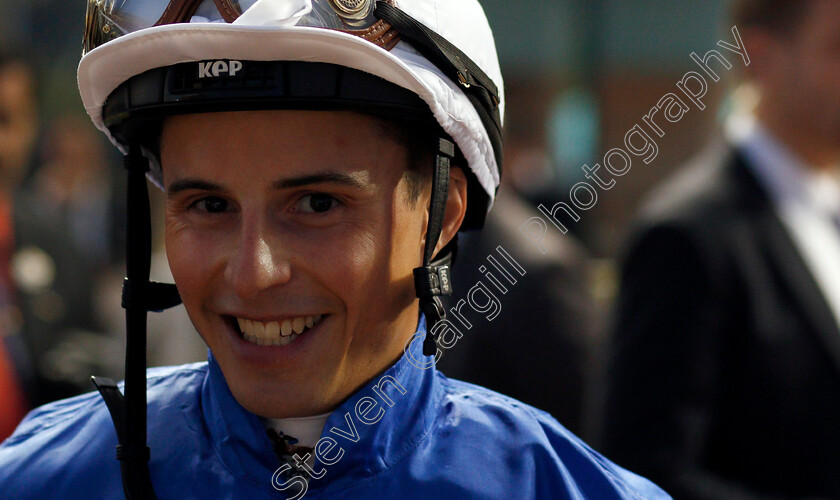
x,y
329,177
355,181
187,184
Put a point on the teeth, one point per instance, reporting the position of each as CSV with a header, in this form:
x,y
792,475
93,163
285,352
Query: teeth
x,y
274,332
286,328
259,329
286,340
298,324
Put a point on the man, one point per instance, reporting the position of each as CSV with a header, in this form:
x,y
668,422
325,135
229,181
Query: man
x,y
726,371
18,126
308,205
48,320
58,261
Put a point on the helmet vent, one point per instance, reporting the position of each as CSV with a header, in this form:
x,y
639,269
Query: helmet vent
x,y
350,7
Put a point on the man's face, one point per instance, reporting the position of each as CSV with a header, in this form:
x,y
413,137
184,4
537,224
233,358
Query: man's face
x,y
282,220
803,77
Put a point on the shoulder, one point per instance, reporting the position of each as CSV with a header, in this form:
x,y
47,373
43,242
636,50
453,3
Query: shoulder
x,y
540,456
72,412
72,441
699,215
707,186
465,400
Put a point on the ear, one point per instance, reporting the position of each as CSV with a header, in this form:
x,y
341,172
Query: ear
x,y
456,207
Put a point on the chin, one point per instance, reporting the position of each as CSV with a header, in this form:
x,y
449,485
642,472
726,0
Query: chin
x,y
277,398
279,395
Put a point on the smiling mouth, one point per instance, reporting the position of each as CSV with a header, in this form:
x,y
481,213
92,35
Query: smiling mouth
x,y
276,332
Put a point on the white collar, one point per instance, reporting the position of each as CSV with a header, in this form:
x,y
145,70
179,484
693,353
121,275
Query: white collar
x,y
307,430
787,177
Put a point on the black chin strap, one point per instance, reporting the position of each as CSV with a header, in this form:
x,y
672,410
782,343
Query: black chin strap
x,y
477,86
139,296
433,279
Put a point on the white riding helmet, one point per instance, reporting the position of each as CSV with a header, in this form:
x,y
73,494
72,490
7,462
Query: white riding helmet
x,y
125,38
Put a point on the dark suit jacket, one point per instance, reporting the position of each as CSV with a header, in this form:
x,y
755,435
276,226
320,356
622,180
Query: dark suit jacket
x,y
725,373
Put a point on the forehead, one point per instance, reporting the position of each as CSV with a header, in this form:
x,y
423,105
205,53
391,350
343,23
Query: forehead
x,y
280,139
281,124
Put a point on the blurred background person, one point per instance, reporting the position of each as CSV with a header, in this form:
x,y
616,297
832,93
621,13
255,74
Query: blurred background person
x,y
58,258
62,249
725,379
18,128
544,342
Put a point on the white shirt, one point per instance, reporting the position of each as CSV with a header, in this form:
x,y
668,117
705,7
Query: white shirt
x,y
806,200
307,430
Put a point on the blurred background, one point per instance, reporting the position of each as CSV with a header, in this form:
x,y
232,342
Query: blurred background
x,y
578,75
717,381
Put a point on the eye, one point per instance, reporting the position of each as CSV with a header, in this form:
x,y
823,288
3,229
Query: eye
x,y
212,204
315,203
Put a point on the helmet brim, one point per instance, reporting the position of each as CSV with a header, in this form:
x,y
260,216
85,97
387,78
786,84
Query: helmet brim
x,y
103,69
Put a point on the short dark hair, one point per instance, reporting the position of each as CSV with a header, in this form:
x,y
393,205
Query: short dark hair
x,y
778,16
418,139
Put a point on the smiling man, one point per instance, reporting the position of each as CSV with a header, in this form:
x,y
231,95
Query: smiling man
x,y
318,158
278,255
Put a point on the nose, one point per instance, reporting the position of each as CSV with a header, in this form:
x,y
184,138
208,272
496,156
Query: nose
x,y
257,263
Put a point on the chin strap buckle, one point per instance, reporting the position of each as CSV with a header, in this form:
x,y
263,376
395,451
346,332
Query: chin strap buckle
x,y
432,281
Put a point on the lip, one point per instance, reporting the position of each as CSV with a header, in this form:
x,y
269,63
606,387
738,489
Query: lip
x,y
269,319
254,354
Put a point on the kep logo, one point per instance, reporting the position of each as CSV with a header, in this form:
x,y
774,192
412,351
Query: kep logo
x,y
217,68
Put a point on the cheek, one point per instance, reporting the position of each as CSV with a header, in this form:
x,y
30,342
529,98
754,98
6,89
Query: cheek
x,y
407,233
364,264
830,80
817,93
407,247
181,267
346,260
190,258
